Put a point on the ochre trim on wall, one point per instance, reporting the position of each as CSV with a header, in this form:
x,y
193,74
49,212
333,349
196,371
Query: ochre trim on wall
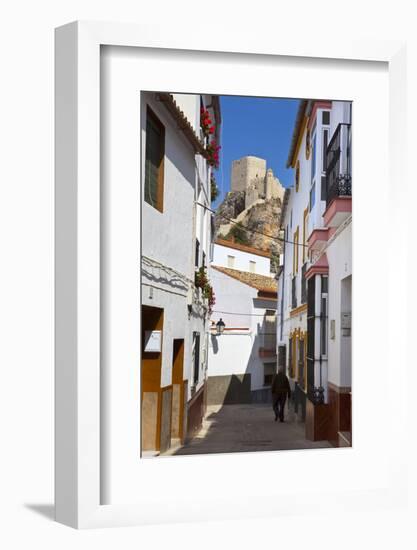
x,y
298,310
299,141
295,258
305,214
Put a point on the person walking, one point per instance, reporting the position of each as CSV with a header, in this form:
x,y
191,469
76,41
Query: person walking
x,y
280,389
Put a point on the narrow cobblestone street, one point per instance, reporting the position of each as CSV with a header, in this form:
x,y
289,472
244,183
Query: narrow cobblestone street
x,y
246,427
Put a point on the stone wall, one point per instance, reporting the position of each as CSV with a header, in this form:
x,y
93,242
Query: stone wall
x,y
250,176
245,170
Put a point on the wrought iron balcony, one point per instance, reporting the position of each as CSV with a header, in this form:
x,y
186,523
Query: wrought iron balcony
x,y
338,164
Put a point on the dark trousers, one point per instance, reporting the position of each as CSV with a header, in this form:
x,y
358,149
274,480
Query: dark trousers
x,y
278,404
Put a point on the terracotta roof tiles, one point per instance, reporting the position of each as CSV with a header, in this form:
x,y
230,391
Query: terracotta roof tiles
x,y
263,283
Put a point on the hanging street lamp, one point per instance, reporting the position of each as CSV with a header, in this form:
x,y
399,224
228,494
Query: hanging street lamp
x,y
220,327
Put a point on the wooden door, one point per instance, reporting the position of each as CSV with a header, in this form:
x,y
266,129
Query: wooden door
x,y
152,319
177,422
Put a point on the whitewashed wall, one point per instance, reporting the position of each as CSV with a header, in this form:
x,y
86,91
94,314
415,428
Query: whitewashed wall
x,y
339,255
298,202
238,353
170,236
241,259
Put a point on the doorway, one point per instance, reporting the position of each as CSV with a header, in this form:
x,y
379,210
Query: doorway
x,y
151,406
178,392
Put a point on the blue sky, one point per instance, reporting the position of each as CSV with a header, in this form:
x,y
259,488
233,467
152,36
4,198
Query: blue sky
x,y
255,126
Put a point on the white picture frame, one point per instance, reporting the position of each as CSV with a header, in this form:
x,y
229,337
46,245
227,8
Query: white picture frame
x,y
78,405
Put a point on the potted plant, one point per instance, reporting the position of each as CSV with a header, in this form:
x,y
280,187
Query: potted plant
x,y
212,151
214,190
206,123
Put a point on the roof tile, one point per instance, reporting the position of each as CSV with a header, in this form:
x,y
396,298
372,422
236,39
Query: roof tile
x,y
260,282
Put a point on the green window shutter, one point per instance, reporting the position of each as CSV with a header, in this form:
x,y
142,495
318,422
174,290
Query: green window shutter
x,y
153,162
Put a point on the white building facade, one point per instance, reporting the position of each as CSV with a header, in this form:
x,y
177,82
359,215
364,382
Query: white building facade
x,y
176,240
315,279
242,360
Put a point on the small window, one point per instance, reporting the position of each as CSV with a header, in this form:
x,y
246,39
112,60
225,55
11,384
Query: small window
x,y
196,356
305,219
295,253
308,143
230,261
154,161
197,253
323,325
312,196
324,284
269,371
313,159
325,142
326,117
297,176
252,267
323,195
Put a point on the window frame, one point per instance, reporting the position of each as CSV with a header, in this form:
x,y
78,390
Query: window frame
x,y
295,262
151,116
312,193
196,357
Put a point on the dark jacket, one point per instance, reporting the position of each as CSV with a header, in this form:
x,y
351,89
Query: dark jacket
x,y
280,384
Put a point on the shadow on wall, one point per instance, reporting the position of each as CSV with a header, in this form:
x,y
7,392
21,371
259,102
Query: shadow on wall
x,y
233,389
214,343
229,390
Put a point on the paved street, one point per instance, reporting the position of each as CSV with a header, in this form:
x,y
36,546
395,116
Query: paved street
x,y
237,428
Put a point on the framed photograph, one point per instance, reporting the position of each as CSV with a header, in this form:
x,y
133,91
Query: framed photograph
x,y
223,333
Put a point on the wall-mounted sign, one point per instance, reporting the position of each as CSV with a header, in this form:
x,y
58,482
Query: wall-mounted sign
x,y
332,329
346,320
153,341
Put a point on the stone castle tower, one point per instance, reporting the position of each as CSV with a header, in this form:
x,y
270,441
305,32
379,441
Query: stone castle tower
x,y
250,174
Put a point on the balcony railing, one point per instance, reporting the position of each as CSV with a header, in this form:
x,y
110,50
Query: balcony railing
x,y
303,284
294,292
338,164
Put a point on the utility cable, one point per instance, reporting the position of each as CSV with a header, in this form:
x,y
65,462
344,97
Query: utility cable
x,y
250,230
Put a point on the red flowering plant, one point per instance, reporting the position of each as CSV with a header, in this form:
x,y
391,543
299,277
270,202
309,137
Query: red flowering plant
x,y
201,278
201,281
212,151
206,123
208,294
214,190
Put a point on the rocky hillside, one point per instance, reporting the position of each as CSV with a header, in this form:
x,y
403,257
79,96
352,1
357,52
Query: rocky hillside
x,y
260,217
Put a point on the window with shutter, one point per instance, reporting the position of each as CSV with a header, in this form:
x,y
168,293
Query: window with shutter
x,y
154,161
